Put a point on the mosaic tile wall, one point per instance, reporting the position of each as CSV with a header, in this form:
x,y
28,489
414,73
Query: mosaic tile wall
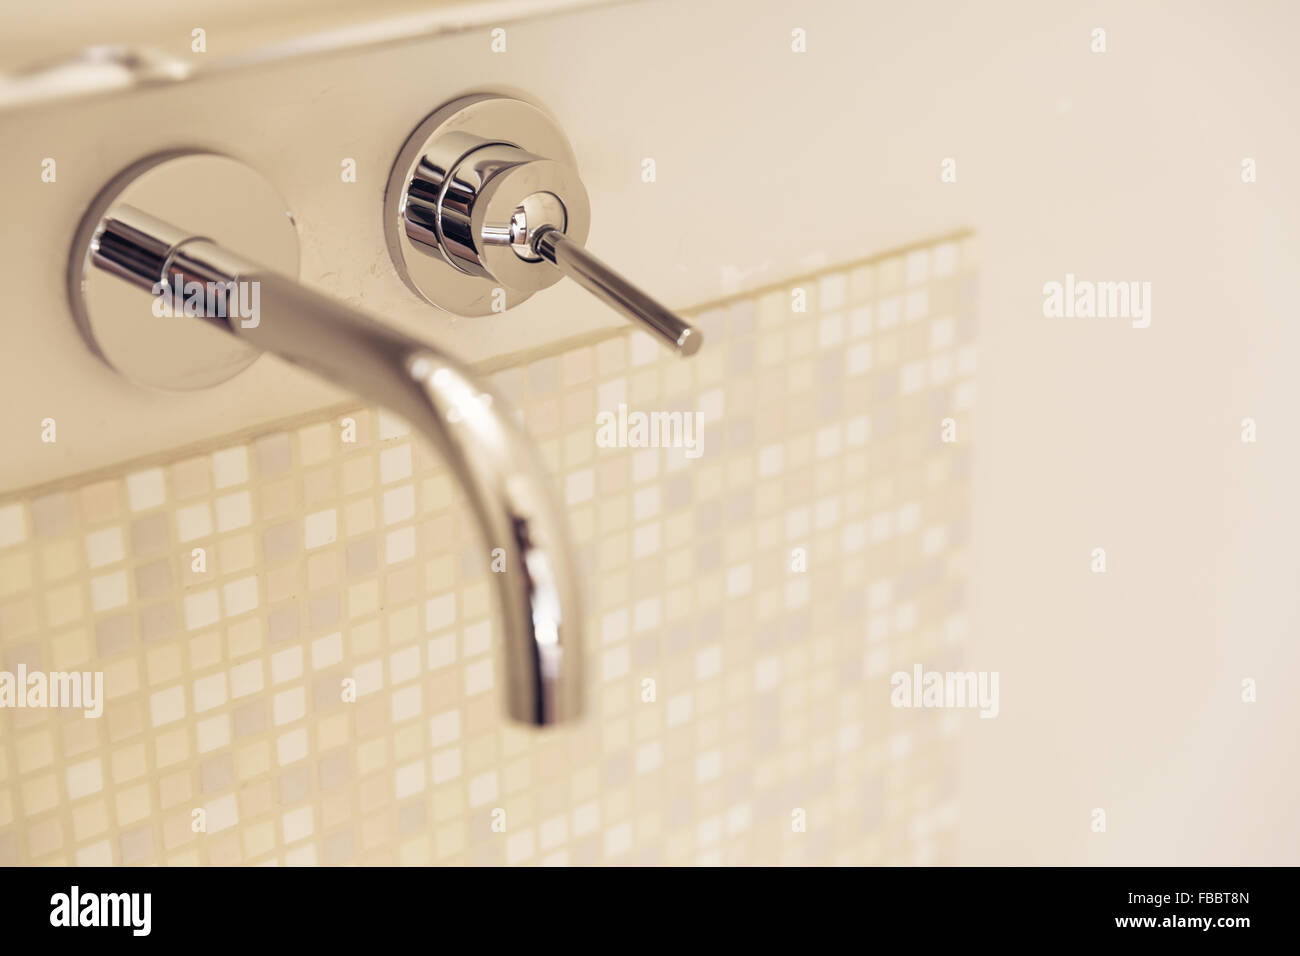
x,y
738,711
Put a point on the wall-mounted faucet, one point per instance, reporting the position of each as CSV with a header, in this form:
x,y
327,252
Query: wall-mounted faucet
x,y
485,199
496,216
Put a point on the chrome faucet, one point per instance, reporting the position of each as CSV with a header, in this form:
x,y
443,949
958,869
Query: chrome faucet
x,y
199,218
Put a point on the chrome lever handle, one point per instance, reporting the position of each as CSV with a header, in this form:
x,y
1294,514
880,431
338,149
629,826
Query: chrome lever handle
x,y
600,280
485,198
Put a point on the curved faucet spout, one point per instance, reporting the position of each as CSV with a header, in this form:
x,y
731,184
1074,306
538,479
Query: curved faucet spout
x,y
505,481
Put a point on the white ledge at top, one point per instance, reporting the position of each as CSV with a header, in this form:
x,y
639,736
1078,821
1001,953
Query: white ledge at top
x,y
102,69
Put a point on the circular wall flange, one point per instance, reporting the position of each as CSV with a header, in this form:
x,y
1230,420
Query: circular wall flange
x,y
206,195
481,117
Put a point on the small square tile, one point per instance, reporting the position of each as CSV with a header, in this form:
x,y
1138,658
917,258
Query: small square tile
x,y
101,501
13,525
234,511
108,591
191,478
85,778
146,489
150,535
202,609
158,622
320,529
52,515
167,706
240,597
395,464
273,454
153,580
193,522
230,467
104,547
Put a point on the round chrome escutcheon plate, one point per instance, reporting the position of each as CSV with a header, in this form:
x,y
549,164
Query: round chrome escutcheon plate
x,y
206,195
481,117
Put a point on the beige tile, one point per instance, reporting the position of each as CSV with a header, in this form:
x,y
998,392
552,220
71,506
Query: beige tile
x,y
101,501
191,478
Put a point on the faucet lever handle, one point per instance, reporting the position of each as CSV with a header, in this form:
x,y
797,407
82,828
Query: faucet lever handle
x,y
575,261
485,196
